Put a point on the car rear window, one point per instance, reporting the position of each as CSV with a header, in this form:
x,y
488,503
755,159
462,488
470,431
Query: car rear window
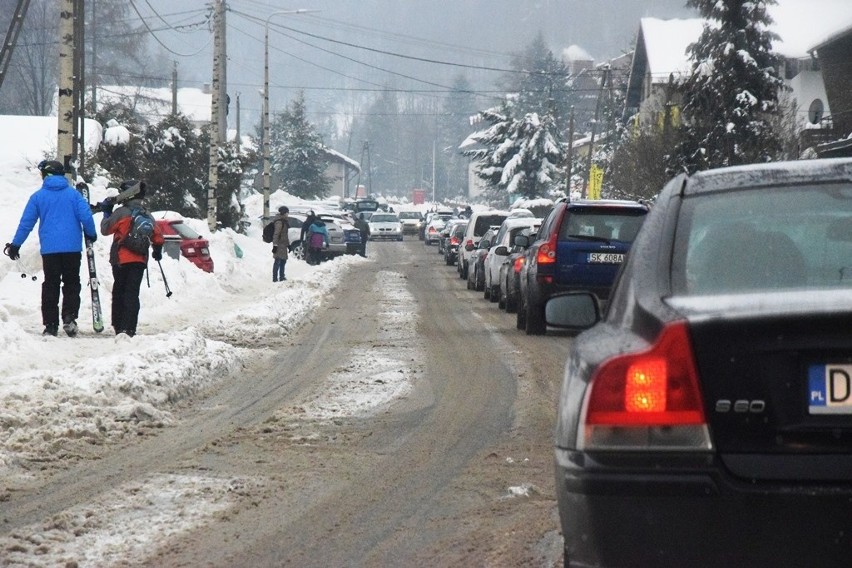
x,y
782,238
610,223
459,230
185,231
485,222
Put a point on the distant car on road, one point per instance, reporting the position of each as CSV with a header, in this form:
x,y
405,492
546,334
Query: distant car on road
x,y
385,226
412,221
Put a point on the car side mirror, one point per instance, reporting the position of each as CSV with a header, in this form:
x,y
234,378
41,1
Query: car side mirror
x,y
572,310
522,241
501,251
484,244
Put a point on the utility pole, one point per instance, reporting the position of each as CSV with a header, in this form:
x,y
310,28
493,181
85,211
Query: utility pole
x,y
434,143
65,111
174,88
604,79
239,134
217,114
80,84
570,154
94,78
15,25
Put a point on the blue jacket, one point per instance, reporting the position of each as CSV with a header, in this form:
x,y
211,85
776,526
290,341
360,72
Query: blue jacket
x,y
62,214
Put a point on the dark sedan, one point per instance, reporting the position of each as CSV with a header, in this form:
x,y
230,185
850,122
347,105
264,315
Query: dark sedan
x,y
707,419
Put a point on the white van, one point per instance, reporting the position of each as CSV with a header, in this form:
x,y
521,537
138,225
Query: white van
x,y
480,222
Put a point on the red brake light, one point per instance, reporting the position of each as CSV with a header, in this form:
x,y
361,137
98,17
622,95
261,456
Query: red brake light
x,y
648,399
547,251
454,240
519,263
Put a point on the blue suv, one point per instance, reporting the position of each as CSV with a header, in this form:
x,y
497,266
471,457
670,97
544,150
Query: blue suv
x,y
580,246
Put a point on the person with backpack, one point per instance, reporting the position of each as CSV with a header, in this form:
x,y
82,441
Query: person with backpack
x,y
317,240
63,217
280,243
134,231
364,227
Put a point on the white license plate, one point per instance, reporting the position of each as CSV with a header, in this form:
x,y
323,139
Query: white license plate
x,y
606,257
830,389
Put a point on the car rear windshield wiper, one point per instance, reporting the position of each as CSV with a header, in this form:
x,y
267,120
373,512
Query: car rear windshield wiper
x,y
590,238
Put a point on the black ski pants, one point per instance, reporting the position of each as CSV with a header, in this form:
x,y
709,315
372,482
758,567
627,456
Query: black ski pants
x,y
127,280
60,270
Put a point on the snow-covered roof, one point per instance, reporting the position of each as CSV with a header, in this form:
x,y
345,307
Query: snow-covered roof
x,y
666,42
343,158
154,103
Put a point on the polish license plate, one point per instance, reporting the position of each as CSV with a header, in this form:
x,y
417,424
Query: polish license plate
x,y
337,239
606,257
830,389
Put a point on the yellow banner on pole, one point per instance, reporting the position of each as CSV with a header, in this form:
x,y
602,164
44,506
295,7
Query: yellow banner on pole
x,y
595,182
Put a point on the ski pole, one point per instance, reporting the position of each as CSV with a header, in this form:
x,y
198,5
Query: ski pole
x,y
24,272
163,272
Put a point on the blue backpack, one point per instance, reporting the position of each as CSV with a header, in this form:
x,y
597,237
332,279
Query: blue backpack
x,y
138,239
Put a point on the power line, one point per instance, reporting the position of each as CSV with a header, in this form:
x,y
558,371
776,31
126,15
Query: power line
x,y
167,48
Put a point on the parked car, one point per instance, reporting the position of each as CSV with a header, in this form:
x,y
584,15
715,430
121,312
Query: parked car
x,y
411,221
385,226
451,246
499,252
476,273
445,232
707,419
351,235
337,242
580,246
434,224
478,224
510,271
183,240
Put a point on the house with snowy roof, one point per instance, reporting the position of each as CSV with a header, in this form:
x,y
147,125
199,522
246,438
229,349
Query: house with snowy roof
x,y
834,57
660,58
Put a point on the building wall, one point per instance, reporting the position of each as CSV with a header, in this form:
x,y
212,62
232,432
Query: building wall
x,y
835,59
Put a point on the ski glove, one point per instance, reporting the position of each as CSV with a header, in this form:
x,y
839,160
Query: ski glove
x,y
106,207
274,250
157,252
12,251
92,238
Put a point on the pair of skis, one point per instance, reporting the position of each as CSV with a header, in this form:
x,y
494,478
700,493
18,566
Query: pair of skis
x,y
97,312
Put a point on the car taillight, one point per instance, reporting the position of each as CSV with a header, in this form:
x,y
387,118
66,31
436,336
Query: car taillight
x,y
454,240
432,230
647,400
190,251
519,263
547,251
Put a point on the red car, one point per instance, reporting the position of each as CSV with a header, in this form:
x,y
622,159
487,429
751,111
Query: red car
x,y
192,246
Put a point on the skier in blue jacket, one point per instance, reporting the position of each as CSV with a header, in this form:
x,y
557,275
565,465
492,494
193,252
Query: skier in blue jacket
x,y
63,215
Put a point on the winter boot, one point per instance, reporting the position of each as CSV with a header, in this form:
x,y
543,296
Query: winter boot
x,y
51,329
70,326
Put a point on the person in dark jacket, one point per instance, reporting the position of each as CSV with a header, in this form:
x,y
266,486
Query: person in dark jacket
x,y
128,267
63,217
280,244
362,225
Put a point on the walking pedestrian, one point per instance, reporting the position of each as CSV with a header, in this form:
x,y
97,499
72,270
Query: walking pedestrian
x,y
317,240
362,225
129,263
63,217
280,244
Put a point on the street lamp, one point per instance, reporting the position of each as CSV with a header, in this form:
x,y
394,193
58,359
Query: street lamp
x,y
265,111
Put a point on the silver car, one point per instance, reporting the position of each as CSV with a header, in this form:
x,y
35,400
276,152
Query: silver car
x,y
385,226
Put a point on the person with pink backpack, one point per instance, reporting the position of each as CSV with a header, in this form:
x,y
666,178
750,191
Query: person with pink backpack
x,y
317,240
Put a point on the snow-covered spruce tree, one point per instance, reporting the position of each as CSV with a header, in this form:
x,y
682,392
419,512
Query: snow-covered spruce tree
x,y
122,151
175,166
296,151
732,92
516,156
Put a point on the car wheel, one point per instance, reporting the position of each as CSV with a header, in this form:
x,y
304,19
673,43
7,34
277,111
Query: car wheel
x,y
534,319
400,238
298,251
464,269
478,280
447,260
511,305
486,292
501,299
494,296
